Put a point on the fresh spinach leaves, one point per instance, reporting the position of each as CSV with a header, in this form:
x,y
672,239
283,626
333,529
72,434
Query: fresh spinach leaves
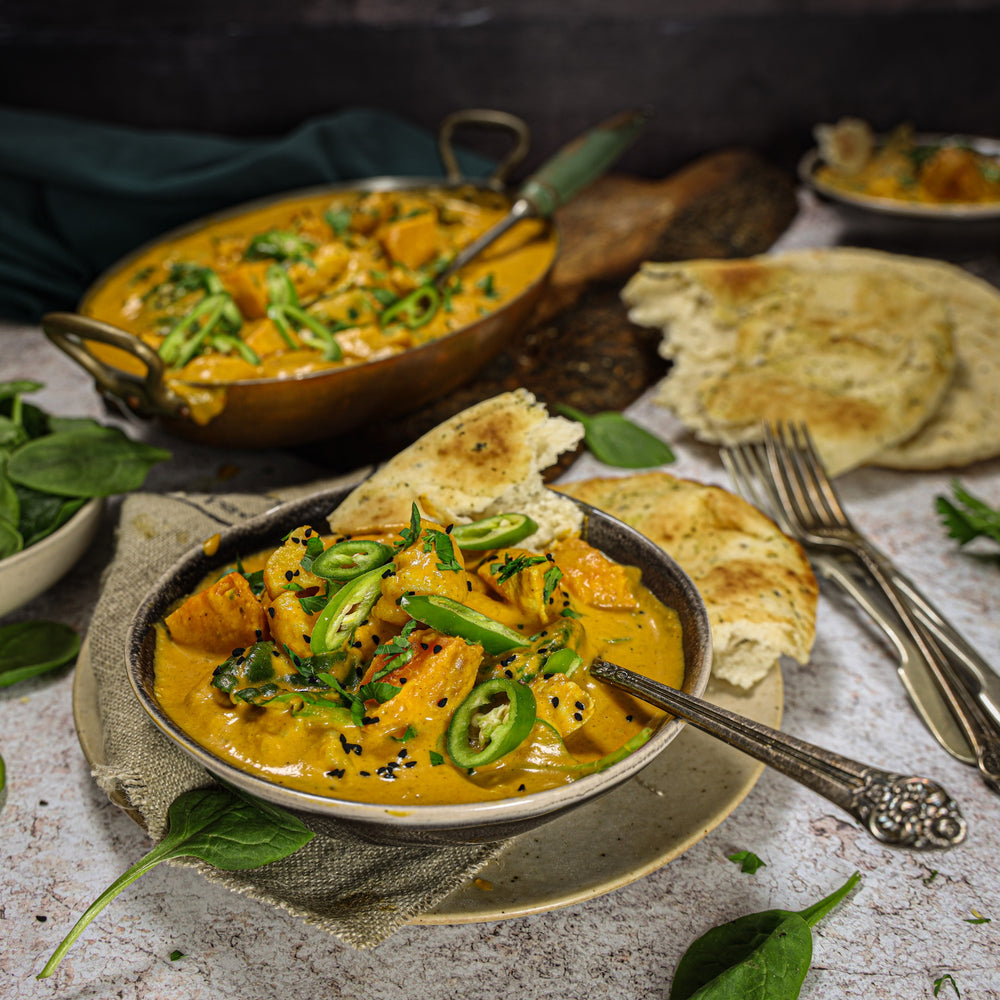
x,y
616,440
28,649
220,826
50,466
761,954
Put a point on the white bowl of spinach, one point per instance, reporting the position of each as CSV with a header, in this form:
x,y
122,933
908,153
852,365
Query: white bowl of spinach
x,y
54,472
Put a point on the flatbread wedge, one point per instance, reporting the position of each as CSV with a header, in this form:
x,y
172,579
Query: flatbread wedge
x,y
488,459
756,582
860,352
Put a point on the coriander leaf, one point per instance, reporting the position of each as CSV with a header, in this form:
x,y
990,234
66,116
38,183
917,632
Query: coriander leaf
x,y
30,648
748,861
972,519
946,978
435,758
615,440
175,955
219,826
760,954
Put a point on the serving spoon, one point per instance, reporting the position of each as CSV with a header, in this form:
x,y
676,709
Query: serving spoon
x,y
558,180
897,810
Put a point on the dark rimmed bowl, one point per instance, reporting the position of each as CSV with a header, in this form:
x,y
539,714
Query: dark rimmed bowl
x,y
466,823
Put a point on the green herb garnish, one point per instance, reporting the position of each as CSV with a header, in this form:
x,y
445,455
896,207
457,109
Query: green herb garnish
x,y
513,565
758,955
615,440
969,518
946,978
748,861
435,757
223,827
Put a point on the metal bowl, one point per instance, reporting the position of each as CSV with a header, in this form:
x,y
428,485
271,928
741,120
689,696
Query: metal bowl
x,y
471,823
275,412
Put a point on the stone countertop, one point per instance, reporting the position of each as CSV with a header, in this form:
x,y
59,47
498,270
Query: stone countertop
x,y
905,927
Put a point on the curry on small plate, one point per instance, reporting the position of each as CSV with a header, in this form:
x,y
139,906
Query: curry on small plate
x,y
905,173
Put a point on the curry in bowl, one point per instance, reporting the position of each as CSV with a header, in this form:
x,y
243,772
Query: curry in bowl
x,y
420,664
316,283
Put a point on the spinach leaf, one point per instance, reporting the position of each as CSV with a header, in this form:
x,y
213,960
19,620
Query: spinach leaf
x,y
220,826
10,538
42,513
34,647
84,463
761,954
616,440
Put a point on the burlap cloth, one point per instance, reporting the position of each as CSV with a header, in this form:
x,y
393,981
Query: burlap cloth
x,y
353,889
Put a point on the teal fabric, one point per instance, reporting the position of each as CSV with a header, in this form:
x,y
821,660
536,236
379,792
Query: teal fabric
x,y
76,195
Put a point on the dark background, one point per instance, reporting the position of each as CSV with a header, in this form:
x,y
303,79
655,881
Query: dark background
x,y
713,73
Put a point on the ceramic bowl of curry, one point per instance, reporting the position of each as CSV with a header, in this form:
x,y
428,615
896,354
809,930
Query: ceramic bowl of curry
x,y
400,769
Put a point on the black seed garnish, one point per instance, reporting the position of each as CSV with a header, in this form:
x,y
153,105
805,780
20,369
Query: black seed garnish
x,y
578,717
337,772
437,649
350,748
580,705
289,575
270,611
555,702
442,702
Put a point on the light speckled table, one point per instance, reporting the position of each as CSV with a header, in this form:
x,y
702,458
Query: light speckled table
x,y
62,842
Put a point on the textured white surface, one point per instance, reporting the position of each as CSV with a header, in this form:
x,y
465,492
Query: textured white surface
x,y
62,843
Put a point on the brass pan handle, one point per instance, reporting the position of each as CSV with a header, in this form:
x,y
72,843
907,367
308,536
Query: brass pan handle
x,y
484,117
147,395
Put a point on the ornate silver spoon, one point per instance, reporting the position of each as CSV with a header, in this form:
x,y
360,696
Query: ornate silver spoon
x,y
896,810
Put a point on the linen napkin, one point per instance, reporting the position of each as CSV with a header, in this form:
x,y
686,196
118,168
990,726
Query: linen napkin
x,y
358,891
77,195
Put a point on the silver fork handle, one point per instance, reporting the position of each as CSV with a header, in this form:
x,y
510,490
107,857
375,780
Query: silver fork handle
x,y
896,810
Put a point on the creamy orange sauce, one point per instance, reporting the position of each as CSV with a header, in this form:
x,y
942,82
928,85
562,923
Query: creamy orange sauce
x,y
351,254
399,755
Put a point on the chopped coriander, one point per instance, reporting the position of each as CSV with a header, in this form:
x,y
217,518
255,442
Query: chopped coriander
x,y
175,955
946,978
977,918
748,861
969,518
435,757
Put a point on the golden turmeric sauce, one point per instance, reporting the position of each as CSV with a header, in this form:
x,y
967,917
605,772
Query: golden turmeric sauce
x,y
339,260
570,597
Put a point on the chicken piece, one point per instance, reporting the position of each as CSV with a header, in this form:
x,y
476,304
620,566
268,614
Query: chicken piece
x,y
220,618
290,624
411,241
527,580
417,572
248,286
953,174
562,703
326,265
264,338
592,577
283,570
217,368
433,683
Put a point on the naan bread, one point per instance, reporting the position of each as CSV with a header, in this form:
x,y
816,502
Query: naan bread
x,y
757,583
488,459
860,352
963,429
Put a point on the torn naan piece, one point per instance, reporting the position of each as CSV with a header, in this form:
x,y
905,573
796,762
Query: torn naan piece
x,y
486,460
861,352
756,582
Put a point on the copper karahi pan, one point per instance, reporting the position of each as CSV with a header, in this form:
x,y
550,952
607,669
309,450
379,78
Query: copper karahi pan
x,y
275,412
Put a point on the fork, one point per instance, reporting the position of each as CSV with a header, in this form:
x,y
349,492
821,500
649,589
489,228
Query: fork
x,y
797,483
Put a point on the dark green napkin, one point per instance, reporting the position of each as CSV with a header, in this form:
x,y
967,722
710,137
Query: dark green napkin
x,y
76,195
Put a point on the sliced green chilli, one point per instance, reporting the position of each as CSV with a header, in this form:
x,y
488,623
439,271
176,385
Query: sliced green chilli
x,y
493,532
475,739
563,661
347,609
350,558
415,309
448,616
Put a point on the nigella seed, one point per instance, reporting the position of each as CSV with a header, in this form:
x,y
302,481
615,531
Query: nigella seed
x,y
437,649
289,575
468,585
550,557
442,702
258,634
580,705
307,639
337,772
369,720
296,541
410,763
270,611
508,674
350,748
424,645
402,753
578,717
357,644
555,702
628,718
447,530
238,651
365,774
507,661
520,788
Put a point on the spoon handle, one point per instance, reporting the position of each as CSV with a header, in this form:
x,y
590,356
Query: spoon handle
x,y
897,810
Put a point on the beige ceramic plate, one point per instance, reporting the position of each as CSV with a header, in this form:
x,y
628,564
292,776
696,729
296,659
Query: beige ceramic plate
x,y
671,805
